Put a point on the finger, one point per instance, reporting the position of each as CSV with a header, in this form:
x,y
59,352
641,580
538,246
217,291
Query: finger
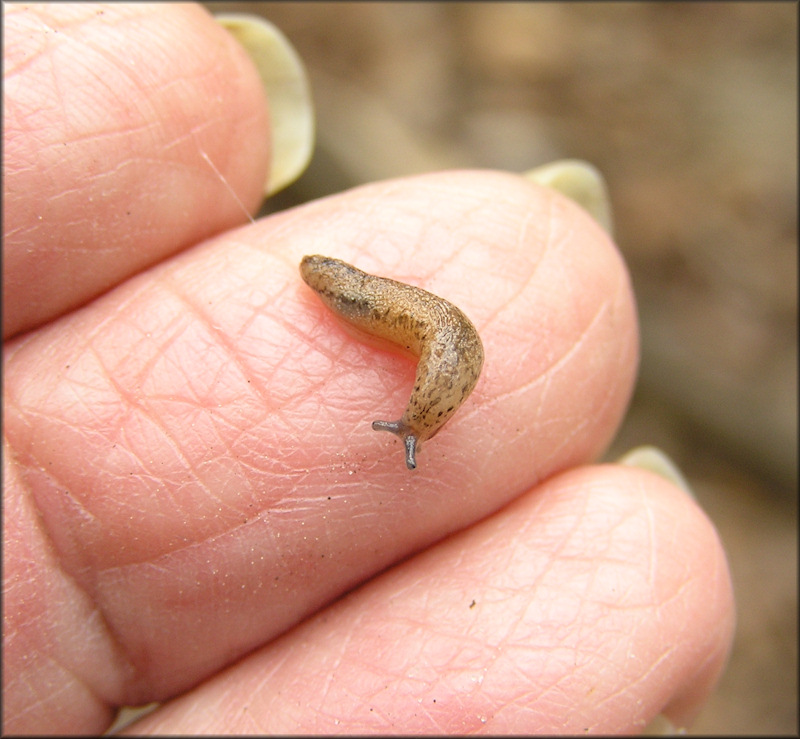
x,y
198,447
594,603
115,120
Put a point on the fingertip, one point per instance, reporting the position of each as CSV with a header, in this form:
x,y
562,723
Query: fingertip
x,y
107,164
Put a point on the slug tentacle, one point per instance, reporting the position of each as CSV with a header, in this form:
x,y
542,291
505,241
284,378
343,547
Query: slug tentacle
x,y
449,348
407,436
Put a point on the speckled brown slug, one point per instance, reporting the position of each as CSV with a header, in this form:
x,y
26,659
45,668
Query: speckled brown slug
x,y
449,348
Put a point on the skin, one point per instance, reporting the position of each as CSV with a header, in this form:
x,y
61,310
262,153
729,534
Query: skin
x,y
447,344
175,526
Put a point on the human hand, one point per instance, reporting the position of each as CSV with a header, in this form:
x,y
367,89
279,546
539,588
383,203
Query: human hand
x,y
191,480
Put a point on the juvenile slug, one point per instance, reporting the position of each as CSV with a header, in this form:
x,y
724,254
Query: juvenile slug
x,y
449,348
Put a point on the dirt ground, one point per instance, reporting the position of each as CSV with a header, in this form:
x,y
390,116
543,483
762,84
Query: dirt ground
x,y
690,111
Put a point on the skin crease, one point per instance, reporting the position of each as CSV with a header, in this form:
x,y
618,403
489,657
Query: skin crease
x,y
447,344
181,520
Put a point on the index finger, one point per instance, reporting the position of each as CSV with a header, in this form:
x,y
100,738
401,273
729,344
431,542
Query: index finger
x,y
111,114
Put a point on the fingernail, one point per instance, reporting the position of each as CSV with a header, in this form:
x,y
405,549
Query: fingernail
x,y
579,181
662,726
128,715
653,459
286,85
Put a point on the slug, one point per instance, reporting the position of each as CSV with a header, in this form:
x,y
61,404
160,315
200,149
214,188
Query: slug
x,y
448,346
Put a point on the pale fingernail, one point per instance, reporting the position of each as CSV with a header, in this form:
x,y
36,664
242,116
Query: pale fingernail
x,y
653,459
286,85
128,715
662,726
579,181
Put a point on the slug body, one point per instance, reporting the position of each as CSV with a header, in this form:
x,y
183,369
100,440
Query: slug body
x,y
448,346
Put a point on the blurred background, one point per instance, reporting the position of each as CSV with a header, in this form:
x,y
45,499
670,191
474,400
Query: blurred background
x,y
690,112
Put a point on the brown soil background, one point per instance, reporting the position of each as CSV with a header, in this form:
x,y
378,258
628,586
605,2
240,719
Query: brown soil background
x,y
690,111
